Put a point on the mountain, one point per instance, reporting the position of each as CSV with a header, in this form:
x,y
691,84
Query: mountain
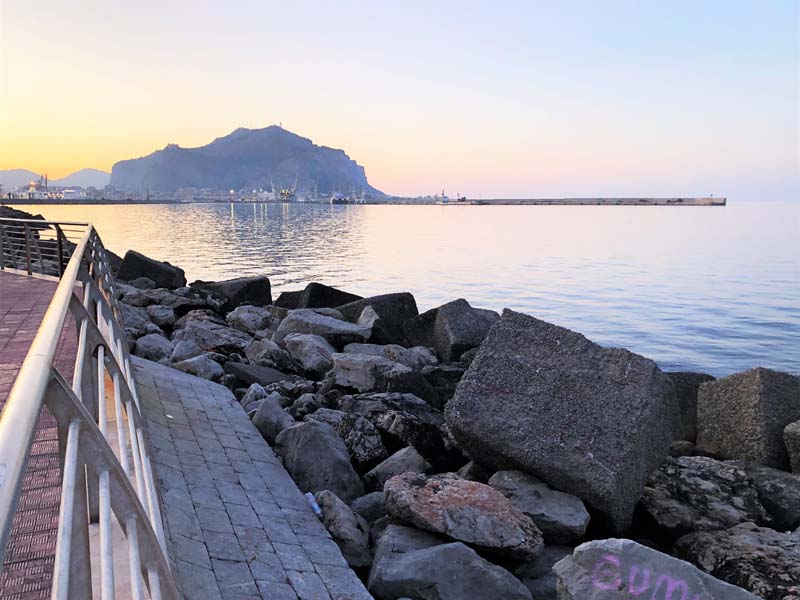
x,y
12,178
244,159
84,178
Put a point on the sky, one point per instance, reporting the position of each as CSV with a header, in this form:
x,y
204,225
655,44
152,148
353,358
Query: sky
x,y
488,99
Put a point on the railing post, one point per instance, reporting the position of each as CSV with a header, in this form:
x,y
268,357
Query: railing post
x,y
27,249
60,249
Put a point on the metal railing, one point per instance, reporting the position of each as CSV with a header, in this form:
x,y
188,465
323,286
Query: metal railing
x,y
106,471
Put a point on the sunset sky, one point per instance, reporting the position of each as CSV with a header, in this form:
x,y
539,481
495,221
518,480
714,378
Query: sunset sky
x,y
499,99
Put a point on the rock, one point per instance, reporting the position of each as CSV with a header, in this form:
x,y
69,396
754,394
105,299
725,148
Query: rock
x,y
270,418
183,350
137,322
459,328
415,358
681,448
371,506
469,356
243,290
213,337
407,460
445,572
349,530
562,518
791,438
758,559
336,331
199,314
306,404
743,415
695,493
408,420
318,295
616,569
419,330
366,373
201,366
392,309
289,300
366,349
686,386
317,460
444,379
163,274
467,511
779,493
537,573
153,347
266,353
163,316
248,318
395,540
587,420
143,283
250,374
472,471
312,352
255,393
360,436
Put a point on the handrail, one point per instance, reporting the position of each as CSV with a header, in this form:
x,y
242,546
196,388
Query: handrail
x,y
99,481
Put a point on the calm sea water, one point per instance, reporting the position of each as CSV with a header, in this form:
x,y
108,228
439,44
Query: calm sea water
x,y
696,288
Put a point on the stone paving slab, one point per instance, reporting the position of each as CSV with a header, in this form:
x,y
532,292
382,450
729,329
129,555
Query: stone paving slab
x,y
237,525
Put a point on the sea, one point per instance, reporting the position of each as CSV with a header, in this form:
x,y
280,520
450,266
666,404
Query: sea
x,y
708,289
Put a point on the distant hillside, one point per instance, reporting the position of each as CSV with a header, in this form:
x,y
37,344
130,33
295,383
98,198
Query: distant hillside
x,y
244,159
12,178
84,178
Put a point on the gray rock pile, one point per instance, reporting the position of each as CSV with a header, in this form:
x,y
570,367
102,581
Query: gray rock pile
x,y
458,453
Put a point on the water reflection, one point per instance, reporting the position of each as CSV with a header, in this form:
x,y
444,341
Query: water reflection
x,y
714,289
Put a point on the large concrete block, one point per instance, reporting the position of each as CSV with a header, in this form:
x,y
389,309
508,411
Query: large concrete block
x,y
590,421
743,415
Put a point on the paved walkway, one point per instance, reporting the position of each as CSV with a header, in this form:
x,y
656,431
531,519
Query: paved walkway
x,y
28,566
237,524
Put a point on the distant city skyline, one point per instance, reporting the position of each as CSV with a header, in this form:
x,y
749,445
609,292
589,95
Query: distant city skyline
x,y
518,99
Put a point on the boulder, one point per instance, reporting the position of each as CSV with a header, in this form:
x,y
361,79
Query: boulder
x,y
444,572
161,315
201,366
143,283
370,506
318,295
289,300
444,379
254,394
415,358
199,314
694,493
743,415
686,386
349,530
459,328
791,438
242,290
402,418
395,540
163,274
587,420
313,352
367,373
561,517
616,569
337,332
266,353
758,559
419,330
248,318
251,374
270,418
371,320
466,511
306,405
211,336
393,310
537,573
153,347
137,322
317,460
407,460
360,436
183,350
474,472
367,349
779,493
